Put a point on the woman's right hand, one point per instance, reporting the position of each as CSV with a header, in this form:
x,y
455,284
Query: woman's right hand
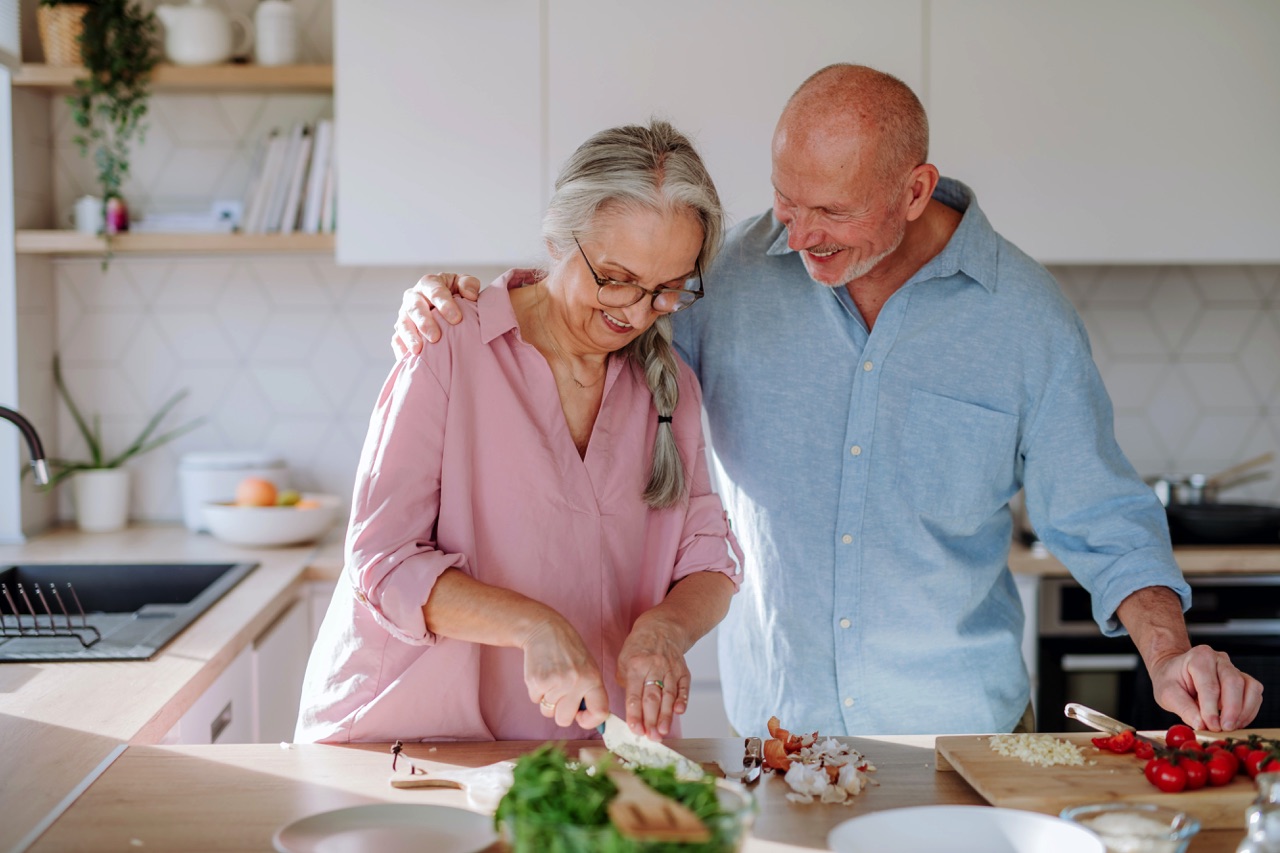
x,y
416,321
562,677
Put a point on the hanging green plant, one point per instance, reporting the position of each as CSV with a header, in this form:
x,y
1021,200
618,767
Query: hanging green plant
x,y
119,48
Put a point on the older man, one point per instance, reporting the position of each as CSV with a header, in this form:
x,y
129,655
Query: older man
x,y
870,431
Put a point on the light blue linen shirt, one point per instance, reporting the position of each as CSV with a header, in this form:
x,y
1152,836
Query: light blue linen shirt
x,y
868,477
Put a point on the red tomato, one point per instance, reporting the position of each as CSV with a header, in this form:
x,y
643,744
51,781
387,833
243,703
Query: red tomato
x,y
1144,750
1271,765
1170,779
1253,762
1102,742
1153,766
1241,752
1122,742
1197,773
1227,757
1179,734
1222,768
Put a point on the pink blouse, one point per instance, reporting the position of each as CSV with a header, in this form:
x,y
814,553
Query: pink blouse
x,y
469,464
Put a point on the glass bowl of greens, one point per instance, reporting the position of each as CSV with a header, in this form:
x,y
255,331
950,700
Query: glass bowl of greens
x,y
558,805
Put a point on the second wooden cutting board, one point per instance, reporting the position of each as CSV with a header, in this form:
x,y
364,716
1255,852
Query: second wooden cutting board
x,y
1012,783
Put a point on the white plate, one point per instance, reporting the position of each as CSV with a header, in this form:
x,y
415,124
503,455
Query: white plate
x,y
961,829
388,828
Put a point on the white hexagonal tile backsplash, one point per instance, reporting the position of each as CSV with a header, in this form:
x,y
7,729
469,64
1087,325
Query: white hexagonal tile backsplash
x,y
288,354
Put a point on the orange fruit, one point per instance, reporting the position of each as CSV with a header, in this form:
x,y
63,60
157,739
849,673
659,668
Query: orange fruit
x,y
255,491
306,503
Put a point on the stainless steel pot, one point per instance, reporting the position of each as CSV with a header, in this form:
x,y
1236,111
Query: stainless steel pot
x,y
1204,488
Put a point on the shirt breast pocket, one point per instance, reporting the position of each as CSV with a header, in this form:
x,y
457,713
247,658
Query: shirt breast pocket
x,y
957,457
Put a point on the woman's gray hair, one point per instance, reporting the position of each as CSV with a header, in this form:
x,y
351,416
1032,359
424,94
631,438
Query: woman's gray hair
x,y
655,168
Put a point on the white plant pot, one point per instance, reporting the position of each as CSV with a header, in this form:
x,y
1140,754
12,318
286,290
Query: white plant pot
x,y
101,497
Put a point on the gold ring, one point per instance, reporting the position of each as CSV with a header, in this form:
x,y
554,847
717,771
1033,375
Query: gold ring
x,y
656,681
550,706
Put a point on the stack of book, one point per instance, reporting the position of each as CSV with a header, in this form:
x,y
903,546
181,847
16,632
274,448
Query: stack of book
x,y
291,187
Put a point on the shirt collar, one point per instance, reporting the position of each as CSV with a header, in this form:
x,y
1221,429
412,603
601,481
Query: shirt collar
x,y
497,317
972,249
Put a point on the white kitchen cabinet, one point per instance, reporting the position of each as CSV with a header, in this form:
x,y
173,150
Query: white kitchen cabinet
x,y
455,117
1095,131
279,662
438,110
720,72
224,712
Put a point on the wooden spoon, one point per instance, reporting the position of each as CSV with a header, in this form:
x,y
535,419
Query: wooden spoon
x,y
641,813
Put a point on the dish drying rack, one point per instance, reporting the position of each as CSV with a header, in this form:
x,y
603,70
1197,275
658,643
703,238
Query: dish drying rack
x,y
23,618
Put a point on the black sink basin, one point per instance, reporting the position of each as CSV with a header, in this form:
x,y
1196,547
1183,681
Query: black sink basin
x,y
104,611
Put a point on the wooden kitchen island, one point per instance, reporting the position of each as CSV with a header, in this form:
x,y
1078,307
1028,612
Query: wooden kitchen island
x,y
235,797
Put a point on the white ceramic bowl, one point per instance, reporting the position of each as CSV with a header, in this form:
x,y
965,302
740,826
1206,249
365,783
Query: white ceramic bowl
x,y
272,525
961,829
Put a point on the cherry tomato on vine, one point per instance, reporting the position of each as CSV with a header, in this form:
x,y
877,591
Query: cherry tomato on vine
x,y
1241,752
1271,765
1225,756
1170,779
1153,766
1179,734
1222,768
1253,763
1197,773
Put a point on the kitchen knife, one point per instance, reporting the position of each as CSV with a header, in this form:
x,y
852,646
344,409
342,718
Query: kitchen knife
x,y
1100,721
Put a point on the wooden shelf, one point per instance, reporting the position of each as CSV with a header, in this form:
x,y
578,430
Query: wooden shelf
x,y
75,243
203,79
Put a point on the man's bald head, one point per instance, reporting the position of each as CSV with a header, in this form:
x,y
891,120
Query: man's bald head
x,y
843,104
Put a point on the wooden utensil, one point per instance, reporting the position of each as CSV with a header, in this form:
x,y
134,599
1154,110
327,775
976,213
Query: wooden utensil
x,y
641,813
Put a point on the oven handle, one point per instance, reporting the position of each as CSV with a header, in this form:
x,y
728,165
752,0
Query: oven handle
x,y
1099,663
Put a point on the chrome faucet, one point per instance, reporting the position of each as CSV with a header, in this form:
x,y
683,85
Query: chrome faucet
x,y
38,465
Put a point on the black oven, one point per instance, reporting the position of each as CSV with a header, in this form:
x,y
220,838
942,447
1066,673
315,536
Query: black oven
x,y
1236,614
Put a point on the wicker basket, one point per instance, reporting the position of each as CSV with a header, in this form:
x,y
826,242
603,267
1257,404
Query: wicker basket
x,y
60,28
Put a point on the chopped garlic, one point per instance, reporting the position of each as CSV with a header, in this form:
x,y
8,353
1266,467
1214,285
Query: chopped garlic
x,y
1041,750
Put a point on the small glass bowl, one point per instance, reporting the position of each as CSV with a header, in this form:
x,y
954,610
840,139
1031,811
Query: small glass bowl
x,y
732,829
1136,827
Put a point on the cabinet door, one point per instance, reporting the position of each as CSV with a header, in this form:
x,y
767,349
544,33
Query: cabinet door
x,y
224,712
720,72
438,113
1097,131
279,662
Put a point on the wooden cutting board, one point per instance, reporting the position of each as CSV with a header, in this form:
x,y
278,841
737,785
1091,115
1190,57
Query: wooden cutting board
x,y
1012,783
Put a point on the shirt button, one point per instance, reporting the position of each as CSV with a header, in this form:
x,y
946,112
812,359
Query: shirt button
x,y
846,539
856,450
845,623
848,701
360,595
866,365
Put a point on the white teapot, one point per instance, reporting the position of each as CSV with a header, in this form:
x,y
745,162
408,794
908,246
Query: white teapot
x,y
197,34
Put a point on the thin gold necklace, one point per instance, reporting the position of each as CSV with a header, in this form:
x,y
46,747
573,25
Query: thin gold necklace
x,y
542,305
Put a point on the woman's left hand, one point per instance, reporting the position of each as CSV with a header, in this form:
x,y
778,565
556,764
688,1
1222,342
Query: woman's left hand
x,y
652,670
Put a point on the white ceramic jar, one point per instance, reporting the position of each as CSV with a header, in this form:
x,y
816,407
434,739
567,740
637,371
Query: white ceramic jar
x,y
213,476
276,33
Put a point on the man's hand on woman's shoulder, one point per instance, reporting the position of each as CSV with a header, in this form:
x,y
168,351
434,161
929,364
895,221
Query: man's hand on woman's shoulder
x,y
417,321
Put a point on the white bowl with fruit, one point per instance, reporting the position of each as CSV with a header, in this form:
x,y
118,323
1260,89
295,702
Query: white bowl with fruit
x,y
261,516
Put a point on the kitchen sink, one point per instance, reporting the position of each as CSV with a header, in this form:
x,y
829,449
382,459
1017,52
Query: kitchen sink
x,y
104,611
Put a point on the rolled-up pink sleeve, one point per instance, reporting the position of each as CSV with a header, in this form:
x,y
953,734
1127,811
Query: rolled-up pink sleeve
x,y
707,542
391,556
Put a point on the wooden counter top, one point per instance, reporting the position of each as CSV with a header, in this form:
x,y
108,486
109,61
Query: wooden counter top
x,y
59,721
235,797
1192,559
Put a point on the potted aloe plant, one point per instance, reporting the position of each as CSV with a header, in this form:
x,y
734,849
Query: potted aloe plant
x,y
101,482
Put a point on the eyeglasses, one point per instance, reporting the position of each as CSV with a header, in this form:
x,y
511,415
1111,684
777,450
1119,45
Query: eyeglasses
x,y
618,294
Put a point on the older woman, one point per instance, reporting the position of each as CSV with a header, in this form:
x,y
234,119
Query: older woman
x,y
533,539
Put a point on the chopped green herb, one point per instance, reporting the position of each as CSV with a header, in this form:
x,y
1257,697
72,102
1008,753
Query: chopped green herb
x,y
559,806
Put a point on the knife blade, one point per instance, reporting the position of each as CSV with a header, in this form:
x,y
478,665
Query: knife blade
x,y
638,749
1101,722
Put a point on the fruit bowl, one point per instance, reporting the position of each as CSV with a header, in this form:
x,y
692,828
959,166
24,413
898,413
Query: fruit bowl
x,y
273,526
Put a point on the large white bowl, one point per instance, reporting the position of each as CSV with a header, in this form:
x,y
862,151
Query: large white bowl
x,y
272,525
961,829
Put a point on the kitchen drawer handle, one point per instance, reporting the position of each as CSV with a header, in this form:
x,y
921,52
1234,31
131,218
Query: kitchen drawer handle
x,y
220,723
1099,663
